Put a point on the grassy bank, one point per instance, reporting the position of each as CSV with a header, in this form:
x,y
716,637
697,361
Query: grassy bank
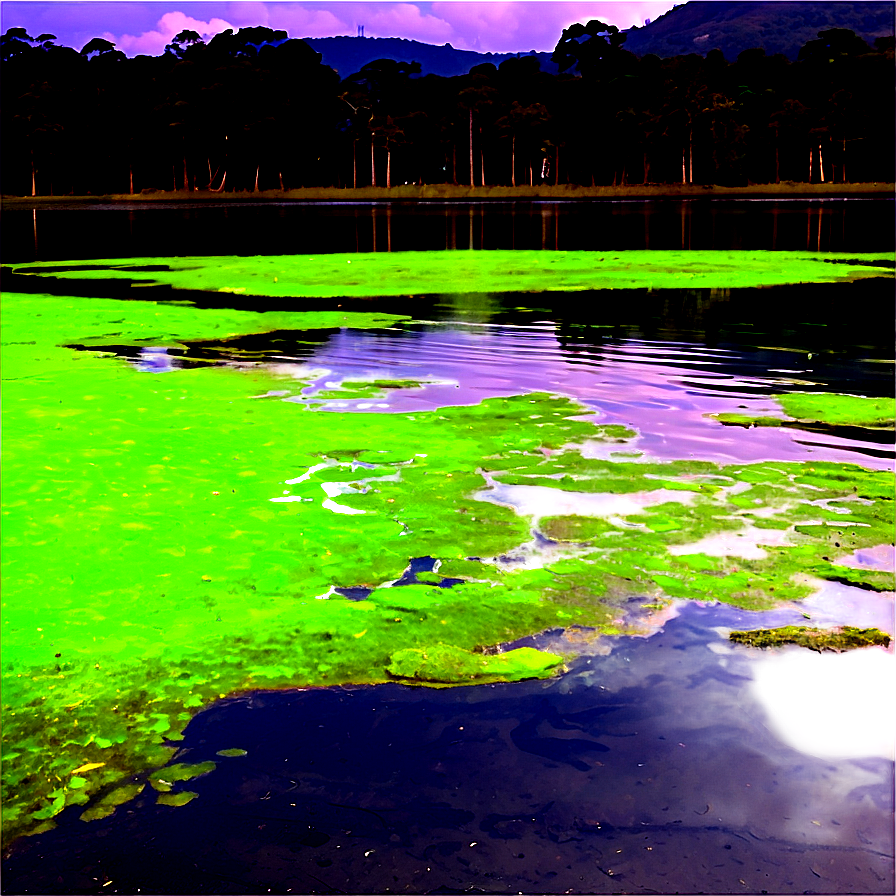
x,y
452,192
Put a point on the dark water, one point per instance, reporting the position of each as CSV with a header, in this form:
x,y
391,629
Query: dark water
x,y
668,763
860,225
651,769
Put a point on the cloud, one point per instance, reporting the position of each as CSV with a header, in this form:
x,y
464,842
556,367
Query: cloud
x,y
152,43
380,19
487,25
519,26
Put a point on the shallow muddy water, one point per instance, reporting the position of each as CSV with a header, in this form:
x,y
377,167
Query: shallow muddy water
x,y
666,761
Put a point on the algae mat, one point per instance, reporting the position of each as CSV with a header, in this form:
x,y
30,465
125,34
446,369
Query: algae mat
x,y
403,273
172,539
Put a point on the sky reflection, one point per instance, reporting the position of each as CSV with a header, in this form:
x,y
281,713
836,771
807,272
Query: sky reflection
x,y
647,385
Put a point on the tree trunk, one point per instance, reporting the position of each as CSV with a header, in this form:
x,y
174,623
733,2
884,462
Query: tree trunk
x,y
131,173
691,156
843,167
388,168
556,175
684,178
255,188
372,166
221,188
33,176
354,164
531,182
810,167
282,188
471,148
646,168
481,160
820,164
513,161
186,178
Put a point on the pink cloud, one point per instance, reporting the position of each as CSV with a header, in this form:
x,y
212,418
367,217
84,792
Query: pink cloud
x,y
518,26
310,20
153,43
492,26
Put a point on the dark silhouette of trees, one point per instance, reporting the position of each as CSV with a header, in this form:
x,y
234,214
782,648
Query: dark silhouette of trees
x,y
256,110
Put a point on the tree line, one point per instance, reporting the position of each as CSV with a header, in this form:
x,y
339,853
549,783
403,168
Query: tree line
x,y
255,110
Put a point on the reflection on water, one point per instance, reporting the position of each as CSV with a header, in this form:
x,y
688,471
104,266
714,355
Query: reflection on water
x,y
540,501
137,229
746,542
664,389
882,557
647,385
829,705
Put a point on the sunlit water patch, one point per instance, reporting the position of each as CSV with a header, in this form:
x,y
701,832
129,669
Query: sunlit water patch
x,y
646,385
829,705
746,543
539,501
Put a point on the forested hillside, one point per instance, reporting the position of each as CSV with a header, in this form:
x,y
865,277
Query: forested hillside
x,y
349,54
255,110
732,26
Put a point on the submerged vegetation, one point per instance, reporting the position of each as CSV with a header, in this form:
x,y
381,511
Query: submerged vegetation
x,y
173,539
843,638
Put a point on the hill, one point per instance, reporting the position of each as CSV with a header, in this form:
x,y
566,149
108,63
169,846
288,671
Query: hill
x,y
779,27
349,54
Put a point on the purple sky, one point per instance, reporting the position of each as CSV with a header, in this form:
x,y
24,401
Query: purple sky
x,y
466,24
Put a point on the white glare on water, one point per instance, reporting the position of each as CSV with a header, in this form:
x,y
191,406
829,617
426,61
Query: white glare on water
x,y
833,706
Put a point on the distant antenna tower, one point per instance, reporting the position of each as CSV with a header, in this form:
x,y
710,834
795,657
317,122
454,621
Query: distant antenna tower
x,y
360,31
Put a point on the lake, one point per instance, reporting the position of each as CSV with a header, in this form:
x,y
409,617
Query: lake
x,y
235,519
247,228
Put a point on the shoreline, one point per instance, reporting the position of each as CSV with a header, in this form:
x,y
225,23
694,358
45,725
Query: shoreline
x,y
458,193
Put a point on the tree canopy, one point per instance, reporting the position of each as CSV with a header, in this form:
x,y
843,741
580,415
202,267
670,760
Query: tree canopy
x,y
254,109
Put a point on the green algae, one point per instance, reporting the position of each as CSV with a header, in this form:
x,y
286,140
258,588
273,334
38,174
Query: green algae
x,y
828,408
105,806
573,528
836,409
445,665
164,779
368,389
838,639
176,799
167,540
404,273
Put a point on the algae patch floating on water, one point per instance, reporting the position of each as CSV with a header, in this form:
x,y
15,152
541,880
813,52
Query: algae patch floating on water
x,y
168,540
838,639
445,665
404,273
831,409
